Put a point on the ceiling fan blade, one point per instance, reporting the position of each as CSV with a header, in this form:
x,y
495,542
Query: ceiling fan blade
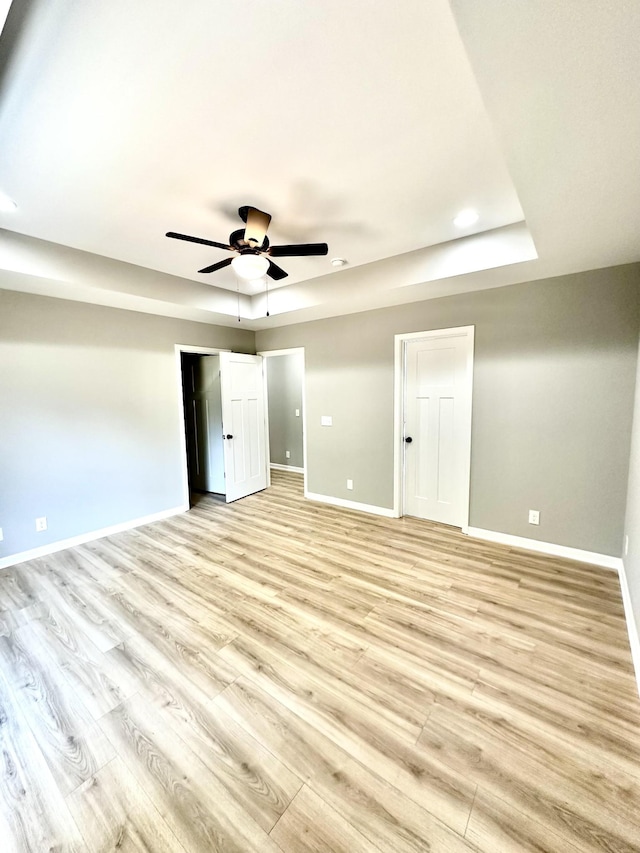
x,y
299,251
257,224
217,266
275,272
197,240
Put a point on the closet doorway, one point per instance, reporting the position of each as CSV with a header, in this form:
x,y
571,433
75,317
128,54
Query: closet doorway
x,y
225,423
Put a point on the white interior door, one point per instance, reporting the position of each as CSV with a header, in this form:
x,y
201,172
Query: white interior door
x,y
243,424
437,426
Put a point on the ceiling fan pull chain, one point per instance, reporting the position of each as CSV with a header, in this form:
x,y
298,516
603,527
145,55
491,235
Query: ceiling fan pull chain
x,y
266,281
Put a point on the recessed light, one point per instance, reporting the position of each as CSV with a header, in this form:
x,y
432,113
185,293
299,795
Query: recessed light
x,y
466,217
7,204
338,262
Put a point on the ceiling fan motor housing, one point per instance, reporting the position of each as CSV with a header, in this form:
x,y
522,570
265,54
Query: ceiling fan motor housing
x,y
236,239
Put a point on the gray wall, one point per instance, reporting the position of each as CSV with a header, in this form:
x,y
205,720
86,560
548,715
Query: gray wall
x,y
89,408
89,415
632,524
285,375
554,375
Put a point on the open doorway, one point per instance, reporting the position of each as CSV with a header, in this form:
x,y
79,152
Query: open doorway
x,y
202,401
225,426
285,392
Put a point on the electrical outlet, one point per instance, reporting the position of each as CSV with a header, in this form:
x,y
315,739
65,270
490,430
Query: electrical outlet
x,y
626,544
326,420
297,413
534,516
350,484
41,524
287,454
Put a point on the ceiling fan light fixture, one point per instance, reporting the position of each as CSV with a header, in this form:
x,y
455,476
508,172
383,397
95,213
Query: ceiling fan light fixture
x,y
250,267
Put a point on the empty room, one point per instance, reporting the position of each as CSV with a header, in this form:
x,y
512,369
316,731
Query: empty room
x,y
319,427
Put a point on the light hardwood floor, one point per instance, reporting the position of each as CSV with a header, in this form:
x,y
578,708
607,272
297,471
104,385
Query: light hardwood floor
x,y
280,675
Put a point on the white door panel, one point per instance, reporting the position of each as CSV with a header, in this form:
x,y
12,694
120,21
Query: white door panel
x,y
243,424
437,418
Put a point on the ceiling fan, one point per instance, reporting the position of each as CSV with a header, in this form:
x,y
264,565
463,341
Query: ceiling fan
x,y
251,245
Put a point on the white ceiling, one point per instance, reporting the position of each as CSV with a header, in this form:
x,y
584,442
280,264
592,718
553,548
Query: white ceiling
x,y
364,124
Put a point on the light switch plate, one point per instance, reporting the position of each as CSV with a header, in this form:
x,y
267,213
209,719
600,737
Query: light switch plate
x,y
326,420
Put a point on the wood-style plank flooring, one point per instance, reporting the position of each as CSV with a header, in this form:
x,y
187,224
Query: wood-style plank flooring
x,y
281,675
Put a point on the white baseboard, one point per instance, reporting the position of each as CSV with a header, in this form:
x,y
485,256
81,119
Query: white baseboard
x,y
374,510
632,625
61,544
603,560
293,468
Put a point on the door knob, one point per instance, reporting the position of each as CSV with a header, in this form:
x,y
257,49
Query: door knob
x,y
408,439
228,436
